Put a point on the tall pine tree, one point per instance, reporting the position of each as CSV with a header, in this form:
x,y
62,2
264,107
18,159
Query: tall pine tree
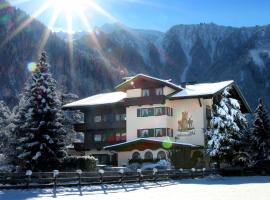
x,y
260,134
5,120
229,125
39,130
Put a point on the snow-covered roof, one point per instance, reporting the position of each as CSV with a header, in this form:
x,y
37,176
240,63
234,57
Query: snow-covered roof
x,y
166,82
141,140
99,99
202,89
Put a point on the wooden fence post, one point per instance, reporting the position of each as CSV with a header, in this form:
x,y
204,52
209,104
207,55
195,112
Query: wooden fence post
x,y
139,171
79,172
101,172
155,174
28,174
55,174
193,172
203,172
121,171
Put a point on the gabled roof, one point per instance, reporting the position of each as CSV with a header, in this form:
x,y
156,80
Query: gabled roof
x,y
203,89
142,143
129,80
99,99
209,90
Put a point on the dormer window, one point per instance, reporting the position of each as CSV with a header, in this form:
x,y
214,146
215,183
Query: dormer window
x,y
145,93
159,91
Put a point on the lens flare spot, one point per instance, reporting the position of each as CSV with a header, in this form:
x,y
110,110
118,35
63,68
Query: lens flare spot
x,y
167,143
32,66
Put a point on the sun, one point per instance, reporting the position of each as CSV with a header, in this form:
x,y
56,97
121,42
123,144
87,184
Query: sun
x,y
71,6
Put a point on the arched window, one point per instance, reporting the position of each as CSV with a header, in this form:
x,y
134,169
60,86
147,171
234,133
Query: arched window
x,y
136,155
161,155
148,155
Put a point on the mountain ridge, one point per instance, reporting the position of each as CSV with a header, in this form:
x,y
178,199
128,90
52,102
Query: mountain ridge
x,y
201,53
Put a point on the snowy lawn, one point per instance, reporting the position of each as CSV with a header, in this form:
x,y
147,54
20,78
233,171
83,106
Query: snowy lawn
x,y
210,188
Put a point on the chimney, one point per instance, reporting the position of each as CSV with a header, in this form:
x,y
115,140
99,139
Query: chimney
x,y
183,84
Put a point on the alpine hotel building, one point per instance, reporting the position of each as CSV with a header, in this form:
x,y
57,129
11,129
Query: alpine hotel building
x,y
146,117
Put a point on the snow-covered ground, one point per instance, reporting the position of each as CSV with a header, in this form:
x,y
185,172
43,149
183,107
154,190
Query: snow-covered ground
x,y
210,188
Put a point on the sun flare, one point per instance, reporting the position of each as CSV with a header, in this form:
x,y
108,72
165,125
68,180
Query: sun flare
x,y
71,6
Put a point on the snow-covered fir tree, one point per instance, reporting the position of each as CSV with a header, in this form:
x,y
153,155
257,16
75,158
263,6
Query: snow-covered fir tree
x,y
39,130
260,133
225,139
5,119
71,117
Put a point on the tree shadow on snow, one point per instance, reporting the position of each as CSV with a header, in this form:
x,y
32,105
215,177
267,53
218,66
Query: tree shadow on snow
x,y
81,191
125,187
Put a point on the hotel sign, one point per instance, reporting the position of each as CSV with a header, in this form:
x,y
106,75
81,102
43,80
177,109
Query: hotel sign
x,y
185,125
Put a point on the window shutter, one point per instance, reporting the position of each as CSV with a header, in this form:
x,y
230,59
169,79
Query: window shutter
x,y
164,132
150,111
138,133
163,111
171,112
138,112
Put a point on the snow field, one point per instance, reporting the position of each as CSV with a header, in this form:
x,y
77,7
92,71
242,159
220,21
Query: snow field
x,y
210,188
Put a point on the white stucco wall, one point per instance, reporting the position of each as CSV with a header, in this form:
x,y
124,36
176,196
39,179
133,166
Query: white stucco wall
x,y
167,90
134,123
196,113
134,93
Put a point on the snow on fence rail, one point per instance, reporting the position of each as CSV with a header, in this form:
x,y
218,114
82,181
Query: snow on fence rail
x,y
11,180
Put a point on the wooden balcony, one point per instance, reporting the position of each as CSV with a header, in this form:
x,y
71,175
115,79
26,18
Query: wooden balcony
x,y
149,100
79,146
106,125
81,127
93,145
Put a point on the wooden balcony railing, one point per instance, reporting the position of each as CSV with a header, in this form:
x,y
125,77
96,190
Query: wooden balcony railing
x,y
81,127
149,100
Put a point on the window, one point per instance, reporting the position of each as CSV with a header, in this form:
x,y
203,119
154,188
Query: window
x,y
118,137
97,118
136,156
123,137
158,132
97,138
123,117
159,111
154,132
169,111
144,112
145,93
144,133
148,155
169,132
161,155
117,117
159,91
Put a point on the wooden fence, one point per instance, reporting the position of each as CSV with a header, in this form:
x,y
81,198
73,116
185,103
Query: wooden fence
x,y
78,178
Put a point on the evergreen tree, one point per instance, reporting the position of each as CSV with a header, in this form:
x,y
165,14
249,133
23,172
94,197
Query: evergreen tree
x,y
229,126
71,117
39,130
260,133
5,119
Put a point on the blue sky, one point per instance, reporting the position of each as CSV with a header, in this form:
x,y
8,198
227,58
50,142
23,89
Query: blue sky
x,y
162,14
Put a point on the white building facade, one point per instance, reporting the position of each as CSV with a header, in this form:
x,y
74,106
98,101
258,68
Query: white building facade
x,y
160,116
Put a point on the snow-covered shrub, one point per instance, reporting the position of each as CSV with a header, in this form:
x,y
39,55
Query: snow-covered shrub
x,y
85,163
